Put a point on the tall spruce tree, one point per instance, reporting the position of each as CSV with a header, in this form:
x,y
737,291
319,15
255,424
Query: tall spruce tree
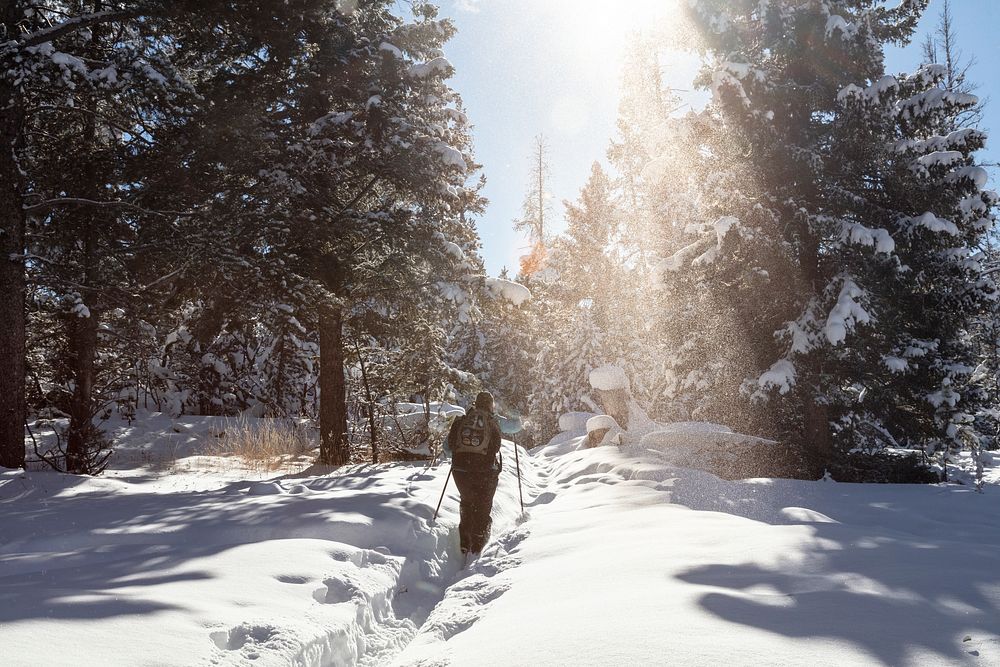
x,y
366,173
838,249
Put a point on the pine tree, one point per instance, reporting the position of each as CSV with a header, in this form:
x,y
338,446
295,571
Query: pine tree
x,y
561,371
536,212
367,165
588,266
835,251
95,78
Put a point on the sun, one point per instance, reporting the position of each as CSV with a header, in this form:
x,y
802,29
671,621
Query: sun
x,y
596,27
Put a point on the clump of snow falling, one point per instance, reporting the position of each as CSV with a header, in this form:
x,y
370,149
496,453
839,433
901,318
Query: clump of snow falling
x,y
609,378
516,293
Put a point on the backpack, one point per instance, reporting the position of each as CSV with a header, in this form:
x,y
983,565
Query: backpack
x,y
472,437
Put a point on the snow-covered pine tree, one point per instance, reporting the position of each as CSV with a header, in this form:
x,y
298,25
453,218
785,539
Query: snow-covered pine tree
x,y
87,83
367,162
496,347
942,47
560,377
588,265
837,250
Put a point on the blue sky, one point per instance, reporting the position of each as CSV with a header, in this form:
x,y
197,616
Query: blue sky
x,y
552,67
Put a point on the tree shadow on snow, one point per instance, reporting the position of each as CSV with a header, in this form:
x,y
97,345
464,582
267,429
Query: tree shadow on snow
x,y
895,571
96,555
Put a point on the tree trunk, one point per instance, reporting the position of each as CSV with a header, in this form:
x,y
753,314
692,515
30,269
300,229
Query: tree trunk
x,y
83,338
819,439
333,448
372,426
83,330
12,279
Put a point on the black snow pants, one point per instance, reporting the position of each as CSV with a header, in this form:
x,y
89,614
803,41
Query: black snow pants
x,y
476,489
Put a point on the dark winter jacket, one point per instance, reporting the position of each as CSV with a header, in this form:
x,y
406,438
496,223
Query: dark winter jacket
x,y
484,458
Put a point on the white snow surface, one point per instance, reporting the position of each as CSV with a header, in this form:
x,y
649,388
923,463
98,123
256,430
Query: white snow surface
x,y
600,422
622,556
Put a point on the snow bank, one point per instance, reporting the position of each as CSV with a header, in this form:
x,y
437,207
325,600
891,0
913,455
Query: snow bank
x,y
639,562
601,422
636,559
136,568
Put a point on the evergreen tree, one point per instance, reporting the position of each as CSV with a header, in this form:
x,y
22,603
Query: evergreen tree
x,y
536,212
836,252
366,169
561,371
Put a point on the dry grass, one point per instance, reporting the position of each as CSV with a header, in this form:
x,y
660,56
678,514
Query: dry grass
x,y
262,444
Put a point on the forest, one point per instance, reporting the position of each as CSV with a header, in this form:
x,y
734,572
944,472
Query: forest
x,y
266,400
207,215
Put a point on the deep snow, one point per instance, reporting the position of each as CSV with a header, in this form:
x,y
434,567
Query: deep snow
x,y
621,557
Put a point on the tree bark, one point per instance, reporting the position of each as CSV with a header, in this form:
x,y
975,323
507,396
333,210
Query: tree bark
x,y
12,279
83,338
333,448
83,330
819,439
372,426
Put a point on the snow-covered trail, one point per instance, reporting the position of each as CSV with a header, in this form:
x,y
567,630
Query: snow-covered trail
x,y
625,560
318,568
619,558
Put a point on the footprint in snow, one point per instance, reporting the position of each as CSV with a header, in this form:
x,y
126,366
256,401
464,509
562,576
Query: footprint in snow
x,y
543,498
246,633
335,591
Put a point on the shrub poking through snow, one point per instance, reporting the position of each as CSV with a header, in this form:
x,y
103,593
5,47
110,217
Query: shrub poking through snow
x,y
262,443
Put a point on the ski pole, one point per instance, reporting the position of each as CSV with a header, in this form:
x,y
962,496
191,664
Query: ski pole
x,y
442,493
517,464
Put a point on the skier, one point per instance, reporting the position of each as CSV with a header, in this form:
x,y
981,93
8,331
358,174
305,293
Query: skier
x,y
474,440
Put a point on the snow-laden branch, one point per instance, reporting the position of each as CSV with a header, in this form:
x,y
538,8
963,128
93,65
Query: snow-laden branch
x,y
50,204
72,25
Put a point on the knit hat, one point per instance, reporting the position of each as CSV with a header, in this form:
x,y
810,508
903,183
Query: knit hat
x,y
484,401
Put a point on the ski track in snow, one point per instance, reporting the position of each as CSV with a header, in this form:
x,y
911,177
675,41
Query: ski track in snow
x,y
314,569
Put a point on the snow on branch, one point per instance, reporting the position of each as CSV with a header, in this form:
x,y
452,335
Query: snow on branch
x,y
50,204
72,25
780,376
932,223
848,312
856,233
439,65
516,293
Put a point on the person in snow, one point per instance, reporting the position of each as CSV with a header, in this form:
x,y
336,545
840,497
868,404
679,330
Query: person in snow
x,y
474,441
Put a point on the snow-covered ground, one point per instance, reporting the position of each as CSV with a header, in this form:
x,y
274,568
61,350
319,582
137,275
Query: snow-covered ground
x,y
620,558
